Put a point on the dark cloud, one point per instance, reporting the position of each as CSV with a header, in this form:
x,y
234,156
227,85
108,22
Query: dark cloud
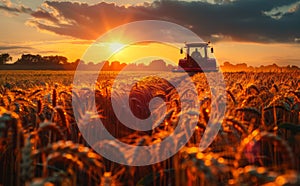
x,y
239,20
49,52
13,47
41,14
16,10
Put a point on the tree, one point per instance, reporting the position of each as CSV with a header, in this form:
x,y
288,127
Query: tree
x,y
157,65
29,59
5,58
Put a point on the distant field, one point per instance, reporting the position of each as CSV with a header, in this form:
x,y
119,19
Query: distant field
x,y
31,77
40,140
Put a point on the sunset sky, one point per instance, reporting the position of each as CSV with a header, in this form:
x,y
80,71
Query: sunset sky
x,y
256,32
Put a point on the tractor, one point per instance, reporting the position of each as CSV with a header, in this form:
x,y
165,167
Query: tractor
x,y
197,59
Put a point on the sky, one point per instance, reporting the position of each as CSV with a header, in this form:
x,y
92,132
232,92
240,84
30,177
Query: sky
x,y
256,32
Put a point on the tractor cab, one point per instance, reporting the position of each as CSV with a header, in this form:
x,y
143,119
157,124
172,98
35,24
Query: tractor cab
x,y
198,58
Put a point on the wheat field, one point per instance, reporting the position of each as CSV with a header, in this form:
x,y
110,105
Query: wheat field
x,y
41,143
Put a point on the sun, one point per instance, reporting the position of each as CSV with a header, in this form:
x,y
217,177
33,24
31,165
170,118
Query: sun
x,y
115,46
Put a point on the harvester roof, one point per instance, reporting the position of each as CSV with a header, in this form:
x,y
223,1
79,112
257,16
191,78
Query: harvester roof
x,y
199,44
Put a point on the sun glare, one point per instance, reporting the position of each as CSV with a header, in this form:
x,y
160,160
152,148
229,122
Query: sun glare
x,y
115,46
137,52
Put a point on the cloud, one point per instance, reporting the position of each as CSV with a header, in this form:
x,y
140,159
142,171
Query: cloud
x,y
13,47
236,20
40,14
279,12
12,8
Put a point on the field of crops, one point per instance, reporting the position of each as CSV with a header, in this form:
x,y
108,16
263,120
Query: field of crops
x,y
43,134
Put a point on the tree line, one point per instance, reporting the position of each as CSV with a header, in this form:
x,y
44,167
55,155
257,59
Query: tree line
x,y
34,62
228,67
29,59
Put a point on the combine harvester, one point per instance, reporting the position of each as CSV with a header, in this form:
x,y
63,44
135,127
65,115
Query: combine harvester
x,y
197,59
